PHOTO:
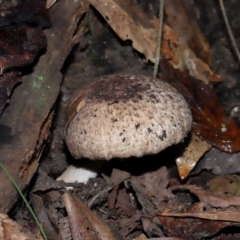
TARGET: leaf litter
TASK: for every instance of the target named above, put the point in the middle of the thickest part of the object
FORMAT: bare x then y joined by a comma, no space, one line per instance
132,198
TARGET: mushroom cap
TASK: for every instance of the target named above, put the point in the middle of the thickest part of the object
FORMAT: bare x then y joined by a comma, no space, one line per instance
119,116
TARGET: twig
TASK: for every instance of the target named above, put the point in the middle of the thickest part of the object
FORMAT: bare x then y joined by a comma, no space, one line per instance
232,39
159,38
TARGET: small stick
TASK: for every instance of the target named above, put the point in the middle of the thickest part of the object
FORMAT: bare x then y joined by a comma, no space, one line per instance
234,44
159,38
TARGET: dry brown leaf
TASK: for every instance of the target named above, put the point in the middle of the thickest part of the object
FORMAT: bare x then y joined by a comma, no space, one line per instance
224,185
209,198
49,3
231,216
24,137
131,24
181,17
117,177
192,227
84,223
199,221
10,230
151,192
191,155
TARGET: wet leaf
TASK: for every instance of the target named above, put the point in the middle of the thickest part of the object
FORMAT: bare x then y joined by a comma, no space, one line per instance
209,120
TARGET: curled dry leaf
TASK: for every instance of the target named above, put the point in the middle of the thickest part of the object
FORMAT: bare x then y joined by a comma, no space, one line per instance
84,223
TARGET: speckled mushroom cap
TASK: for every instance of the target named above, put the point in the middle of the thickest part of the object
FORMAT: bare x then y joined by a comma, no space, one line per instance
119,116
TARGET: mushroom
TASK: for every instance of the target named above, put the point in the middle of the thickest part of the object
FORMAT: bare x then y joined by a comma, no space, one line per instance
120,116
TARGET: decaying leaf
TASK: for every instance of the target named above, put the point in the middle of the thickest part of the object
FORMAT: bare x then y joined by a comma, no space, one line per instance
190,227
209,198
117,177
26,136
224,185
13,231
130,24
181,17
21,40
191,155
201,219
151,192
46,214
209,120
84,223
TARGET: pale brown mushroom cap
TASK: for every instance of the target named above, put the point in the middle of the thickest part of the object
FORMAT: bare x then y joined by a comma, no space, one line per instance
119,116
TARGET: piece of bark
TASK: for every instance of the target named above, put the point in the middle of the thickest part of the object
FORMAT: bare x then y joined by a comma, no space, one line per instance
24,126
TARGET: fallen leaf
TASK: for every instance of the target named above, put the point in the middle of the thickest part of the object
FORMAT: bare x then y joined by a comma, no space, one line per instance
117,177
191,155
197,221
21,40
209,198
151,192
209,120
10,230
130,24
230,216
84,223
191,228
46,213
33,100
224,185
181,17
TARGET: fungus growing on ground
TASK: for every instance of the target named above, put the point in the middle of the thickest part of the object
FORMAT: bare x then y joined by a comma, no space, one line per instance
120,116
